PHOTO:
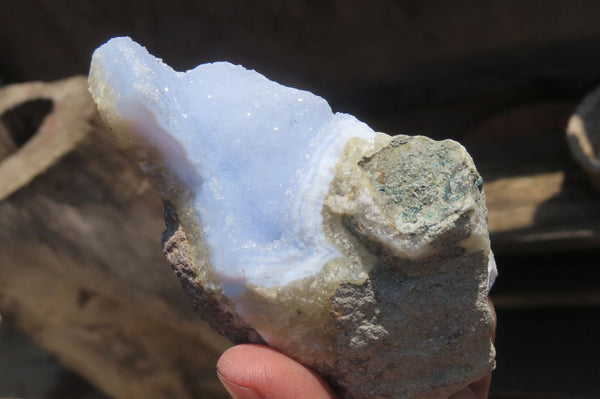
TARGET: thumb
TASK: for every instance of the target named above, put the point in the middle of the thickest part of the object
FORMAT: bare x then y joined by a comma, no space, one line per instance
254,372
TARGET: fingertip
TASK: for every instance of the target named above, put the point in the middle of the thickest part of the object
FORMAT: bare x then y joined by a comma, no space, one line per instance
249,369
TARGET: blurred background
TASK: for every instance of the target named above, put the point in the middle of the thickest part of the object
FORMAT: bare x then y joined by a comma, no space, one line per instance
500,76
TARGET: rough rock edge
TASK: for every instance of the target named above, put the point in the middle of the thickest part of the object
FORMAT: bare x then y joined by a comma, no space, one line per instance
276,313
212,307
218,311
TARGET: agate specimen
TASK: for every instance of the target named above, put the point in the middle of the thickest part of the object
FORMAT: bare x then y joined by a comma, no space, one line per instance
364,256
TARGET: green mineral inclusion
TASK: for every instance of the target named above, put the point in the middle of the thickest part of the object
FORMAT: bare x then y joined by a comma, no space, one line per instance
407,181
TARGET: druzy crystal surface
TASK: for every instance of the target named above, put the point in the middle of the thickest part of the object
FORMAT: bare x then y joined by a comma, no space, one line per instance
364,256
259,156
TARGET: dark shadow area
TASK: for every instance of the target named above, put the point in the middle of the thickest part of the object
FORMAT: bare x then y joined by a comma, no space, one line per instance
22,121
552,352
29,372
447,99
521,138
551,272
548,317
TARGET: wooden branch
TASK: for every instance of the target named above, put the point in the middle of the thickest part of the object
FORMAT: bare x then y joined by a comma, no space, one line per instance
583,135
81,267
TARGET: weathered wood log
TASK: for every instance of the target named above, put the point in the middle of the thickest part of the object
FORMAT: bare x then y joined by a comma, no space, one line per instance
81,269
583,135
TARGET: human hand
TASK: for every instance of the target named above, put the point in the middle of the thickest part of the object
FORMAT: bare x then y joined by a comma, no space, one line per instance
254,371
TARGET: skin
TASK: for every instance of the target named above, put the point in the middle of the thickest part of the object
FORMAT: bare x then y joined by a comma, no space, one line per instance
259,372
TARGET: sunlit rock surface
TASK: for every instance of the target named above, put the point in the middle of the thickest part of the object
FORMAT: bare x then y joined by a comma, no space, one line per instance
363,256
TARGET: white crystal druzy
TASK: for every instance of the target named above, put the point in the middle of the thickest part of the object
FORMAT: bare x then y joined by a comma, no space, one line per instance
259,156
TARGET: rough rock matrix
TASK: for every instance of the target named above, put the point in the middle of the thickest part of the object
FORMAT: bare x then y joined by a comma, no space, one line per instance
397,308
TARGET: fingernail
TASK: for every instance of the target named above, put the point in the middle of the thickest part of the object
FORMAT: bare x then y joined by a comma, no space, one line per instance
237,391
